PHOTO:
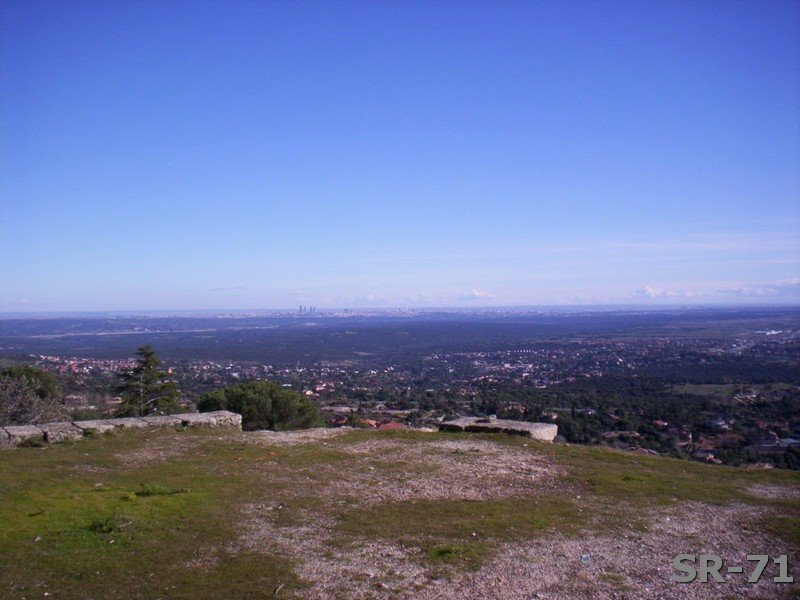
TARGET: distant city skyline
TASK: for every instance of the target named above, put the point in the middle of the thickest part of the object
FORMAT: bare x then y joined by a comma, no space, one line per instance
249,156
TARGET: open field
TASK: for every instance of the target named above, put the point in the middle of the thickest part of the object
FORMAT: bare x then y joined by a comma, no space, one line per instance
724,391
358,514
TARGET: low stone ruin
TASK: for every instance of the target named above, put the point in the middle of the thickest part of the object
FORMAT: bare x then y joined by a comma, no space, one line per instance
51,433
538,431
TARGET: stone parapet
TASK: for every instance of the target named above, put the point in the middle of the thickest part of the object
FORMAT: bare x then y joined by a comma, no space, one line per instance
163,421
16,435
226,418
61,432
198,420
95,427
19,434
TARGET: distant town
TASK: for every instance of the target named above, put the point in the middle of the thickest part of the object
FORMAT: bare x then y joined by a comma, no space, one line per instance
718,387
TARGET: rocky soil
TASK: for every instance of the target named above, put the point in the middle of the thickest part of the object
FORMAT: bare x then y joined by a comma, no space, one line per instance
629,562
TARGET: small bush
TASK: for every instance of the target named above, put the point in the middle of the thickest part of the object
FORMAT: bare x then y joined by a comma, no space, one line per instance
469,555
22,402
264,405
110,524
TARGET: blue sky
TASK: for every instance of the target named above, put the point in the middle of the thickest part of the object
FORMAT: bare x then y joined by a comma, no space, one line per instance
188,155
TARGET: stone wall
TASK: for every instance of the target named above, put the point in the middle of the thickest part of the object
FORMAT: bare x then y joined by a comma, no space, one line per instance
15,435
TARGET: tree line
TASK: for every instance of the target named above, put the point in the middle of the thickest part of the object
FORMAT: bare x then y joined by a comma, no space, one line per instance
30,395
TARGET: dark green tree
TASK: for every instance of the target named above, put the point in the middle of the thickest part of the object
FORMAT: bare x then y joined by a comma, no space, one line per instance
146,389
264,405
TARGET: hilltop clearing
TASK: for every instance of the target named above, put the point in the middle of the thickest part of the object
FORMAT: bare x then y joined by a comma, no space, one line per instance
361,514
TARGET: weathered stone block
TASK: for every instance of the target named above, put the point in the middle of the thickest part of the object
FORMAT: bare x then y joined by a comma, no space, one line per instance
19,434
61,432
95,427
225,418
14,435
198,420
128,423
162,421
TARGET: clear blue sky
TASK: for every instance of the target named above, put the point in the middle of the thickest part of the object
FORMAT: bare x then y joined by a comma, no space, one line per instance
253,154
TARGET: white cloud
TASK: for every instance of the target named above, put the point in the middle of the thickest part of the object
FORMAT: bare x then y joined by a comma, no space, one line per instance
786,288
474,295
647,292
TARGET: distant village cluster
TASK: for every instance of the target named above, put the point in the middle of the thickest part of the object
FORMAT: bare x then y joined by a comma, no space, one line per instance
663,395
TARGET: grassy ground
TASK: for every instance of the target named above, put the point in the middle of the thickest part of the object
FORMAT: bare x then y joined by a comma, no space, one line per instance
77,521
158,515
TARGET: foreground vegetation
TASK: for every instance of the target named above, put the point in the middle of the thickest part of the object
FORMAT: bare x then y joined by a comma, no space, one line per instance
160,515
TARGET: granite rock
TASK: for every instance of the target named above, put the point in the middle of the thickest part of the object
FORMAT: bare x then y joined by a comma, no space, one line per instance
128,423
61,432
162,421
198,420
19,434
95,427
226,418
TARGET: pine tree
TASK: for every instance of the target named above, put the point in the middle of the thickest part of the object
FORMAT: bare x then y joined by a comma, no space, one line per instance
146,389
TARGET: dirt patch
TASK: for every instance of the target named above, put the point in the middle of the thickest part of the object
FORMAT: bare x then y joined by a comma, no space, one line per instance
631,565
333,572
627,565
774,492
392,470
293,438
157,451
205,558
627,562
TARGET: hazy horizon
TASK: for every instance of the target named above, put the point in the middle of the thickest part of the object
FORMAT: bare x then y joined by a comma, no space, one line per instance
377,310
374,155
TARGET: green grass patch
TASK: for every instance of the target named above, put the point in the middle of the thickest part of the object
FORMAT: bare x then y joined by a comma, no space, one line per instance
112,524
462,530
157,489
468,554
502,519
646,480
786,528
67,522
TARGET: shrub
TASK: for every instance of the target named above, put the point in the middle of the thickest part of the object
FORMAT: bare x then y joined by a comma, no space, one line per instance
21,402
112,524
45,384
263,405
